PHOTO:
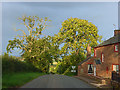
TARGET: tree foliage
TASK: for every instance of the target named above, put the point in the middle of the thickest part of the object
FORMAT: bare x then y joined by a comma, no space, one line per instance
76,34
35,26
12,64
36,50
42,54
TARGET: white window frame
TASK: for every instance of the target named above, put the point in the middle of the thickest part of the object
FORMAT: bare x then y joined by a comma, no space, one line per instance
116,47
115,68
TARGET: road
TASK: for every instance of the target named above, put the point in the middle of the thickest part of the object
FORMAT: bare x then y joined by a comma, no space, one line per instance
56,81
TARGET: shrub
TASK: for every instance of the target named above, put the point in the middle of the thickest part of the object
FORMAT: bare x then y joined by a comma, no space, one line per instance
11,64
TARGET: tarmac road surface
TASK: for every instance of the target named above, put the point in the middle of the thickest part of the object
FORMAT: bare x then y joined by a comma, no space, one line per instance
57,81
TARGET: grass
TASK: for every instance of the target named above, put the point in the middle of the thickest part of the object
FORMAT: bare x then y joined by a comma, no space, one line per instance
18,79
70,74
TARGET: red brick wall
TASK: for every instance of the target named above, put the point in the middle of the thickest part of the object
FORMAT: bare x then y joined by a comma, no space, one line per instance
83,68
110,57
104,69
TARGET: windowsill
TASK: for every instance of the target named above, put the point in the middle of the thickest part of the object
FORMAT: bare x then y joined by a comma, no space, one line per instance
90,73
115,51
116,71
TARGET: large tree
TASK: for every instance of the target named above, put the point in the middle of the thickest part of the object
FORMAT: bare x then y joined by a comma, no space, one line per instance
74,37
35,46
42,54
34,26
76,34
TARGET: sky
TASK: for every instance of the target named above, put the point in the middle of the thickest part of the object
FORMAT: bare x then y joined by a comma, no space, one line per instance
101,14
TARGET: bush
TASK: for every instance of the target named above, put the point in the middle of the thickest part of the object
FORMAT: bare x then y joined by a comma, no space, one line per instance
11,64
65,66
70,74
60,68
67,71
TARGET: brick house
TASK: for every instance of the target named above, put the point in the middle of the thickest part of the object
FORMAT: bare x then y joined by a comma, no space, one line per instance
105,60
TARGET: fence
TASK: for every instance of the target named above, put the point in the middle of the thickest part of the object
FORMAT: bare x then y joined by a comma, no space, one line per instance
116,76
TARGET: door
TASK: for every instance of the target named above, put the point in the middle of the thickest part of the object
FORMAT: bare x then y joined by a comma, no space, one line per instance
94,70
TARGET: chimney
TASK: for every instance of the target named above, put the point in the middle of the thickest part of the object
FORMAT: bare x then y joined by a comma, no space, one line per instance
88,51
116,32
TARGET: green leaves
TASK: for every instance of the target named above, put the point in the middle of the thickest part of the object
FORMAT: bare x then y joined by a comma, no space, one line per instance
35,50
77,32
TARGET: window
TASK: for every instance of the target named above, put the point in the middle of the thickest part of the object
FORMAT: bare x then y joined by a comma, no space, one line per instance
90,68
102,57
116,48
115,68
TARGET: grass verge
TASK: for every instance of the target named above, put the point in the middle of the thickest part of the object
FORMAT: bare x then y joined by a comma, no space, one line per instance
18,79
70,74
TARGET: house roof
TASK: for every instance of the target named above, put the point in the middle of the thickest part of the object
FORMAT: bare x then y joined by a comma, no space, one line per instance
97,60
112,40
84,60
